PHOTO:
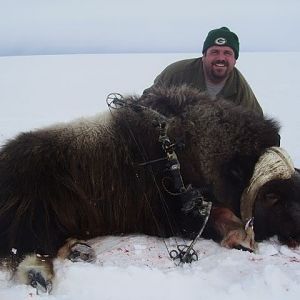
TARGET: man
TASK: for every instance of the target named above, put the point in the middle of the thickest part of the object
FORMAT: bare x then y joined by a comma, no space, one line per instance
215,72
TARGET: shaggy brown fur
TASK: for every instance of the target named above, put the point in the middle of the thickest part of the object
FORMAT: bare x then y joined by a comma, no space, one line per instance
82,179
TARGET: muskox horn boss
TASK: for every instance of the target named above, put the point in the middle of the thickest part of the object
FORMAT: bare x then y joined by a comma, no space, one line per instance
274,163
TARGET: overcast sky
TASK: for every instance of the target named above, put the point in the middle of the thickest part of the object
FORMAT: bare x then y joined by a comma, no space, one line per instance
114,26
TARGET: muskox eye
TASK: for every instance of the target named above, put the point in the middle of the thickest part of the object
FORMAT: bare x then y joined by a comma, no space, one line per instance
271,199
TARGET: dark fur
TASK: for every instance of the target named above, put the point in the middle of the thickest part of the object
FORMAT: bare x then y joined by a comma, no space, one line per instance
277,211
83,181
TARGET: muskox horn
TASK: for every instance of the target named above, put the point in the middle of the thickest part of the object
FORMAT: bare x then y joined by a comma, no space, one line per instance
274,163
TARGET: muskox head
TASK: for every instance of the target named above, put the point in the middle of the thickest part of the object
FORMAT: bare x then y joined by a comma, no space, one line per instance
273,198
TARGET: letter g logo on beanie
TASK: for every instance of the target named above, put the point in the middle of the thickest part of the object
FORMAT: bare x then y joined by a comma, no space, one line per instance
220,41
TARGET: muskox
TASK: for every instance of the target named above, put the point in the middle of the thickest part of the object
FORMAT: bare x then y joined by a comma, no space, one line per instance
62,185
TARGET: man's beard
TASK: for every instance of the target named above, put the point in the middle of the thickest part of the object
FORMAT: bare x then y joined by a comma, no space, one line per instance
219,76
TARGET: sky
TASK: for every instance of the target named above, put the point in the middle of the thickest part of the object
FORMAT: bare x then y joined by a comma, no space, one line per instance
117,26
40,90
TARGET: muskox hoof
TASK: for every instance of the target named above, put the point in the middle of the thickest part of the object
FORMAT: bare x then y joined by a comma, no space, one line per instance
81,252
239,239
76,251
36,270
36,280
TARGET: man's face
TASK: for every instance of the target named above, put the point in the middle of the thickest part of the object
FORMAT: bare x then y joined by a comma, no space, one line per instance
218,62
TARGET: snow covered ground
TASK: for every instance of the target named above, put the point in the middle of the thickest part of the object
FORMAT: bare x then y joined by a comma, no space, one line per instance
39,90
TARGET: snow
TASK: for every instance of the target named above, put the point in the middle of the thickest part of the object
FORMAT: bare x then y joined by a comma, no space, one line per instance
37,91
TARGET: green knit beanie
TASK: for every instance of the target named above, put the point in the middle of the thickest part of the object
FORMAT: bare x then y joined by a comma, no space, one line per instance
222,37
